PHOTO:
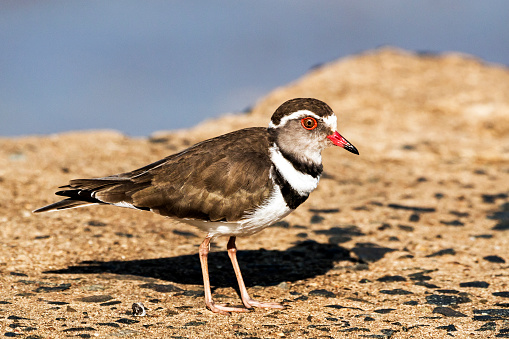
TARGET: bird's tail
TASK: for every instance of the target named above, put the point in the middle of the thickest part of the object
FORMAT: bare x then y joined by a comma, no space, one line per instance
81,192
62,205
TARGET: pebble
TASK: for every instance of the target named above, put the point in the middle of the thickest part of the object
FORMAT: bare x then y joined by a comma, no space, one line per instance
111,303
162,288
322,293
412,208
316,219
95,298
489,326
494,259
445,300
384,310
419,276
139,310
391,278
324,210
447,251
396,291
448,312
415,217
478,284
455,222
59,288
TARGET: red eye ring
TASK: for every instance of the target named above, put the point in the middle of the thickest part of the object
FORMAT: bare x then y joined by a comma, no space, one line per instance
309,123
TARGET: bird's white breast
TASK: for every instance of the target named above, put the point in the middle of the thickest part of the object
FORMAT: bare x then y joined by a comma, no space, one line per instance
303,183
270,212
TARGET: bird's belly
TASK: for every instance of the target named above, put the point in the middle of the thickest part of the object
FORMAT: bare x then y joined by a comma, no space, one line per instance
270,212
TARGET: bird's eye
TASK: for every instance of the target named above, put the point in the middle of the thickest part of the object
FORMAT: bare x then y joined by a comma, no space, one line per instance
309,123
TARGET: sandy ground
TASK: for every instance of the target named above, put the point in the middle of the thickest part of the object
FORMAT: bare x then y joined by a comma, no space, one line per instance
408,240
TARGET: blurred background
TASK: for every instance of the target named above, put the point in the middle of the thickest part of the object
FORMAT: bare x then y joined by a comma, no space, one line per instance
143,66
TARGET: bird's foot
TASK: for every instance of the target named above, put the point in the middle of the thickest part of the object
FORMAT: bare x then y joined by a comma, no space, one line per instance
249,303
223,309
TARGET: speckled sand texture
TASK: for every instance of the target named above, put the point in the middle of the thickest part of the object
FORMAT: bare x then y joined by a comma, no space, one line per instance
408,240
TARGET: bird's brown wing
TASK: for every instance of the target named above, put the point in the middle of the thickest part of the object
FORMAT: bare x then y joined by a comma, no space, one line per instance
217,179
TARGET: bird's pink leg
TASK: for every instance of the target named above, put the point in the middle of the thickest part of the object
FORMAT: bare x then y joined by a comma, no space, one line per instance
246,299
204,251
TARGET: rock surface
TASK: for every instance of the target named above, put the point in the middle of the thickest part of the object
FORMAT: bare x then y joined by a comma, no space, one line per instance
398,242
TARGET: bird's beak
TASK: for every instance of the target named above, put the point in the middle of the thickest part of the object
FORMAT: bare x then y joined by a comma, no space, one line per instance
338,140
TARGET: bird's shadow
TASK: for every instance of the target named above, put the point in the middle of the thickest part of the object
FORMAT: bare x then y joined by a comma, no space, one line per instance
306,259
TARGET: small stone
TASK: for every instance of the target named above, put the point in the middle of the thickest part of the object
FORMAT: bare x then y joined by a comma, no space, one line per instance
489,326
96,223
483,236
448,312
412,208
95,298
494,259
406,228
325,210
70,309
414,217
449,251
384,310
195,323
316,219
446,291
139,310
59,288
391,278
503,294
283,285
397,291
126,321
419,276
111,303
282,224
124,235
478,284
57,302
445,300
162,288
455,222
322,293
491,198
460,214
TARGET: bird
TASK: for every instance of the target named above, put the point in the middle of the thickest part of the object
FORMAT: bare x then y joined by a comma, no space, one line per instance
232,185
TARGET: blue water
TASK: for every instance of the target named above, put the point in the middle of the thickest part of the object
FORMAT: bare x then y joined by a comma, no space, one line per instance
143,66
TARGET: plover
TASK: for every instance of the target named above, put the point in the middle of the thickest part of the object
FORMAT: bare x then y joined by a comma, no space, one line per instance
232,185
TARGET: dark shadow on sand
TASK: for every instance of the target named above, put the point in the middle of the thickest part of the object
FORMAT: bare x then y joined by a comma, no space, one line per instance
259,267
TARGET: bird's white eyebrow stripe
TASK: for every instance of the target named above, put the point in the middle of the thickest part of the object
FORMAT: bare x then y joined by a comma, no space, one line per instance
303,112
332,121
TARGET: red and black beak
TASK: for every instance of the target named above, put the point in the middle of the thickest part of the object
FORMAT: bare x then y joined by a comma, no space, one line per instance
338,140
